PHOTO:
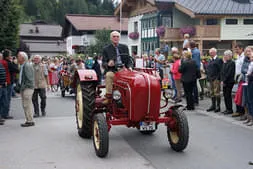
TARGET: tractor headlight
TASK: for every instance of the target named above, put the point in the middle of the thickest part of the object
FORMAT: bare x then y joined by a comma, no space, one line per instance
116,95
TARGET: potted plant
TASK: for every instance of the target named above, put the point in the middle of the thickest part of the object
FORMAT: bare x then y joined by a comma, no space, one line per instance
188,30
133,35
160,31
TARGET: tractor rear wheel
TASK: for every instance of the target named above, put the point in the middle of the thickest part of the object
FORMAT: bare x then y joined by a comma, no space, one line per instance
85,104
100,135
178,135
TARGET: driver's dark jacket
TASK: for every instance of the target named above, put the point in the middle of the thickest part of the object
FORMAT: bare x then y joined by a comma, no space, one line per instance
109,53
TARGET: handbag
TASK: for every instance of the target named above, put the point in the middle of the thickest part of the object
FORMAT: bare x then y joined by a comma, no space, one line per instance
17,88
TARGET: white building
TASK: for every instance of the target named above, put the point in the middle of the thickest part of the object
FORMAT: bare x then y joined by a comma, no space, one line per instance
211,23
79,30
41,38
134,25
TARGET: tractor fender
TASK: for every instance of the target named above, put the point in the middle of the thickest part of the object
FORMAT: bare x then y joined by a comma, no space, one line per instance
87,75
84,75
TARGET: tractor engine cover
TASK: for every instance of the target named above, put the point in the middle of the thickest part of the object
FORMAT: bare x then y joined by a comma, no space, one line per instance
142,94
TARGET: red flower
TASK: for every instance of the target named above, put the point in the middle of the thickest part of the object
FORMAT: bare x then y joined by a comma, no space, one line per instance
188,30
75,46
160,30
133,35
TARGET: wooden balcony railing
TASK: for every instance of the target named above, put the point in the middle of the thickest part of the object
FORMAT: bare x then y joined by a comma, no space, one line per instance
205,32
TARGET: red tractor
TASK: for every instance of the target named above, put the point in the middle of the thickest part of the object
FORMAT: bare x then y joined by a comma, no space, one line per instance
136,103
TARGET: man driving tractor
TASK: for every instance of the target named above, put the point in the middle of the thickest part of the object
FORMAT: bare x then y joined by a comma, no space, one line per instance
115,57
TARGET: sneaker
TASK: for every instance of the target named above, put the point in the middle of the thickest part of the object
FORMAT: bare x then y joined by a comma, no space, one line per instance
243,117
43,112
227,112
27,124
236,114
247,121
250,124
36,115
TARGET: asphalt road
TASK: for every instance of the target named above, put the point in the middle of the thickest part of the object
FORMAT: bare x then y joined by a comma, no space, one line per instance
216,141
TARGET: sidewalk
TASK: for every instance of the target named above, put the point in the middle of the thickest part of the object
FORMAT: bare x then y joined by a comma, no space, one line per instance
205,104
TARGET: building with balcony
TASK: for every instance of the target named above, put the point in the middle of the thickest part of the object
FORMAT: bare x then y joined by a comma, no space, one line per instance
213,23
144,18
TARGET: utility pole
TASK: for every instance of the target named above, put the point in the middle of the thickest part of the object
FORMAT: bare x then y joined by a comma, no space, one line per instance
120,17
56,6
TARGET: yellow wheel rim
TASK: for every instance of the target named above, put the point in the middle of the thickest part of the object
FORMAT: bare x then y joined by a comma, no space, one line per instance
79,106
174,137
174,133
96,135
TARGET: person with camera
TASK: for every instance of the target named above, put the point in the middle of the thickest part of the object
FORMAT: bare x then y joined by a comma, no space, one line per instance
40,86
115,57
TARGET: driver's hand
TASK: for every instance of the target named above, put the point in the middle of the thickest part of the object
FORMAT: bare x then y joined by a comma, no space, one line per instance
130,69
111,63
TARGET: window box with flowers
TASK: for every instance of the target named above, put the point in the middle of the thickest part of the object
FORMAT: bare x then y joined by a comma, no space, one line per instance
188,30
160,31
133,35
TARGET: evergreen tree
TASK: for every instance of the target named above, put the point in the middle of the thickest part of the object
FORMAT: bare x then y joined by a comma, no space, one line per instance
54,11
9,19
108,7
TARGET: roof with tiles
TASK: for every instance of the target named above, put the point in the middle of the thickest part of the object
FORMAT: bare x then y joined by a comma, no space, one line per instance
47,47
40,30
91,22
216,7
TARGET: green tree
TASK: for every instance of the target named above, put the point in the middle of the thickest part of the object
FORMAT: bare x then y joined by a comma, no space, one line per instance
108,7
102,38
9,19
54,11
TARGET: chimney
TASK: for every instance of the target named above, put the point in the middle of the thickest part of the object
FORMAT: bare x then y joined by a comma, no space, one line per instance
37,29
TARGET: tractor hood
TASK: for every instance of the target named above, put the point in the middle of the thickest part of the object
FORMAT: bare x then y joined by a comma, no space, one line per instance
143,93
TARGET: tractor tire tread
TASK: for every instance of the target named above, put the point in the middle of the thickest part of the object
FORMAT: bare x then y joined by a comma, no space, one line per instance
88,95
104,135
184,131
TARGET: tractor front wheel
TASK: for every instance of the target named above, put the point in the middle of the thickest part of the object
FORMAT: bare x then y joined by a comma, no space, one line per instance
178,134
85,104
100,135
